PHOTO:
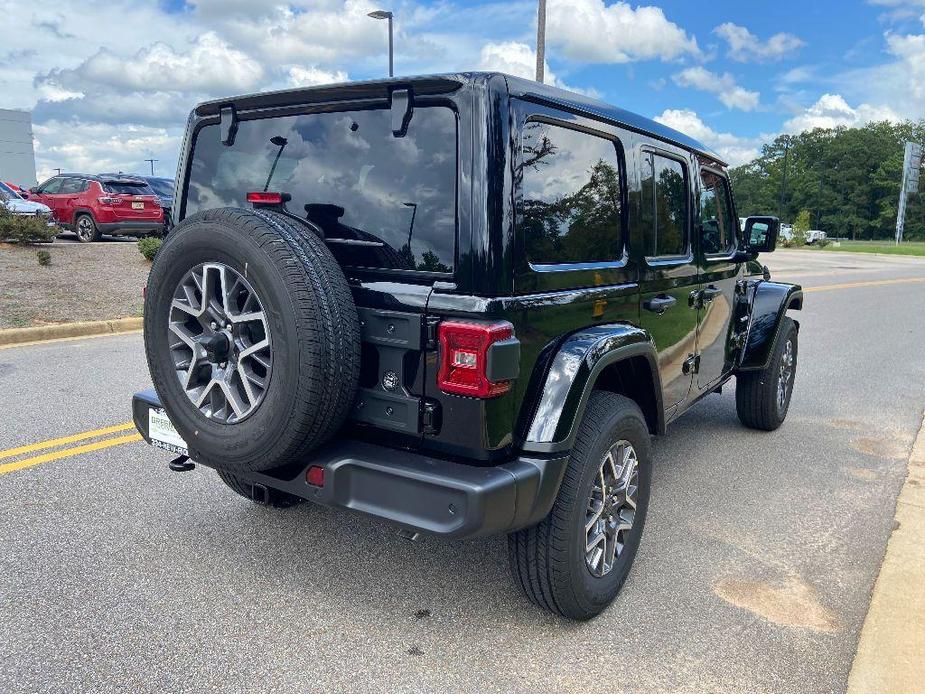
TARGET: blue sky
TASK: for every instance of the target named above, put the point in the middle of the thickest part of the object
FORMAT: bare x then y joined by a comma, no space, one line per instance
110,82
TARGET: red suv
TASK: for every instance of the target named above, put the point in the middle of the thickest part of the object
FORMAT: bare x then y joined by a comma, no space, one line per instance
92,205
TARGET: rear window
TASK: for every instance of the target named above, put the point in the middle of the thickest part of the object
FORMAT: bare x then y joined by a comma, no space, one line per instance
127,188
381,201
162,187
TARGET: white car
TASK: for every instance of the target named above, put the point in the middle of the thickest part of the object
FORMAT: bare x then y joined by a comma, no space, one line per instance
15,204
814,235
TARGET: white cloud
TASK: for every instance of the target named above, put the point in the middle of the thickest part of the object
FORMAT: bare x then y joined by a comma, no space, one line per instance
733,149
310,76
745,46
832,111
519,59
591,31
723,86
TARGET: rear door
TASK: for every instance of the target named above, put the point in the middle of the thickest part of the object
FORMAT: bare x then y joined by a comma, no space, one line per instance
718,274
67,198
670,272
386,208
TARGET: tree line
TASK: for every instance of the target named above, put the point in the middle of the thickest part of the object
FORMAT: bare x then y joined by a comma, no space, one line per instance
846,179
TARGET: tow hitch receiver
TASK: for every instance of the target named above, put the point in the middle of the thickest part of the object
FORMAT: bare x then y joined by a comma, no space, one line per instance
182,464
260,494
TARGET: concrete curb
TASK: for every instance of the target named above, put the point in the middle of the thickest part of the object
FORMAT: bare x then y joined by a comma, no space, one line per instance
15,336
891,651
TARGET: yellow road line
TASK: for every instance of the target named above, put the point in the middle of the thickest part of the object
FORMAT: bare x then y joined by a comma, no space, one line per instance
52,443
67,453
869,283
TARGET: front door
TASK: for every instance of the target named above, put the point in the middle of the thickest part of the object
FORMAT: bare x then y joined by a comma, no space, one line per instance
715,300
669,271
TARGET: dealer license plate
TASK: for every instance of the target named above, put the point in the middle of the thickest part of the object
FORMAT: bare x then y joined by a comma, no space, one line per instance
162,433
138,205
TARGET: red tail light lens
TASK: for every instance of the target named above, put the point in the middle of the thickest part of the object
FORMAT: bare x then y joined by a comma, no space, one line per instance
109,200
265,198
464,358
315,476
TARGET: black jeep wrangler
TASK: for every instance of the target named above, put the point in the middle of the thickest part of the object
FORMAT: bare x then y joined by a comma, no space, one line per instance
459,303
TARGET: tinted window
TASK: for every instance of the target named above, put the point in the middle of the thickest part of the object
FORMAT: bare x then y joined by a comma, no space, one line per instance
52,186
717,223
349,175
571,196
127,188
162,186
664,205
72,186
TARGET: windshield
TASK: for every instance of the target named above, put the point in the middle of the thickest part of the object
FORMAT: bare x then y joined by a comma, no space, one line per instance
127,188
381,201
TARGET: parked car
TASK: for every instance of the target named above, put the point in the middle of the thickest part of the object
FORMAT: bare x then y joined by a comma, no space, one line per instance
16,189
10,199
92,205
814,235
475,334
163,188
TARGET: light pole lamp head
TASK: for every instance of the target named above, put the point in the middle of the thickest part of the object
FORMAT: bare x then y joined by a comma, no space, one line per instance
380,14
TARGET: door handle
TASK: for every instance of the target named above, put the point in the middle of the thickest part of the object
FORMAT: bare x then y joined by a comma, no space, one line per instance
659,304
710,293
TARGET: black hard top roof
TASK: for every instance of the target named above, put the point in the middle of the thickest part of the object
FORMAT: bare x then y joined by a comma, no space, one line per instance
442,84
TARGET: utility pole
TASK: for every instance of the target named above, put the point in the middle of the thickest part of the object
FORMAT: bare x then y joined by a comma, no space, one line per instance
59,171
540,40
151,161
912,160
783,182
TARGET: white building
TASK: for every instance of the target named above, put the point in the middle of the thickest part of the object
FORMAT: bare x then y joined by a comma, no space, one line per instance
17,156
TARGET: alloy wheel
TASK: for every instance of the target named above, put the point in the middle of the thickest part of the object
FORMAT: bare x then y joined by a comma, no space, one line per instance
785,375
220,342
611,508
85,228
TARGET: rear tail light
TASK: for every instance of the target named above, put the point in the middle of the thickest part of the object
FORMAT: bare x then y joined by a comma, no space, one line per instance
109,200
464,358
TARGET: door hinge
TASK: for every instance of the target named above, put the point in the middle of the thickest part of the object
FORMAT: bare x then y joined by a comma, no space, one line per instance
691,364
430,333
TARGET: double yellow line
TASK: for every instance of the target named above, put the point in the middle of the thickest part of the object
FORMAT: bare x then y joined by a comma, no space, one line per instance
68,450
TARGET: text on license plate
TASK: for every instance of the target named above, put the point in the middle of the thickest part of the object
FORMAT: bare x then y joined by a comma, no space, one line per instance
138,205
162,433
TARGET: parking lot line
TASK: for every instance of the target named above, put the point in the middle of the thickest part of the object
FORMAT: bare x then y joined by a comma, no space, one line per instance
67,453
869,283
53,443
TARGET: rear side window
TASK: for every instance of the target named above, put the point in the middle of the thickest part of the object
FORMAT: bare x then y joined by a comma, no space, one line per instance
381,201
716,221
127,188
53,186
571,196
72,186
664,206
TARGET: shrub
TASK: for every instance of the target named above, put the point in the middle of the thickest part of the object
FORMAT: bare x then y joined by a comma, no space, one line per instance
44,257
149,246
20,228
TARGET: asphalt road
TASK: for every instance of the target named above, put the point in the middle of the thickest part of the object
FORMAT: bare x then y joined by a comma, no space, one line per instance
755,571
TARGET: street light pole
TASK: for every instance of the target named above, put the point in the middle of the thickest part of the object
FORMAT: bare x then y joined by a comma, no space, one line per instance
540,41
384,14
151,161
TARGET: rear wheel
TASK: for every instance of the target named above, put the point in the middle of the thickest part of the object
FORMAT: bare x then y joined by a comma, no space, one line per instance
85,228
763,397
575,561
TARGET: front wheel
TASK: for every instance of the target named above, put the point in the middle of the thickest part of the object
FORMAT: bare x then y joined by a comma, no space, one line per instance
575,561
763,397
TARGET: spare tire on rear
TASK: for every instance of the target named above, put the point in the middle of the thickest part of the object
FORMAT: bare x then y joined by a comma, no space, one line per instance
252,338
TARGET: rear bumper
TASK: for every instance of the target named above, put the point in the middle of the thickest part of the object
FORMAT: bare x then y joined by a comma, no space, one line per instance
413,490
131,227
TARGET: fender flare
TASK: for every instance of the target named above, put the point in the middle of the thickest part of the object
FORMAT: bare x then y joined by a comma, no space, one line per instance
769,304
572,375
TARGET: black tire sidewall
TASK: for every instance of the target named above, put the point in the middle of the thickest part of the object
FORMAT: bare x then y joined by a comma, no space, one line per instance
788,332
265,429
595,593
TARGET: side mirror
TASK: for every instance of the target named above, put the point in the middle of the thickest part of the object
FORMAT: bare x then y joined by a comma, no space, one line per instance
761,234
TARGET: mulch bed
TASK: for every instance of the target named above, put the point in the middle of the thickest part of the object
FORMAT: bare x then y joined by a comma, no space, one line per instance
97,281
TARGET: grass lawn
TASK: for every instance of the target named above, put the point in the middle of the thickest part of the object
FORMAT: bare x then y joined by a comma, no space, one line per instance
889,247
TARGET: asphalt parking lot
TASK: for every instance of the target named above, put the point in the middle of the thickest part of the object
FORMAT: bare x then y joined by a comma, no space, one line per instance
755,571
